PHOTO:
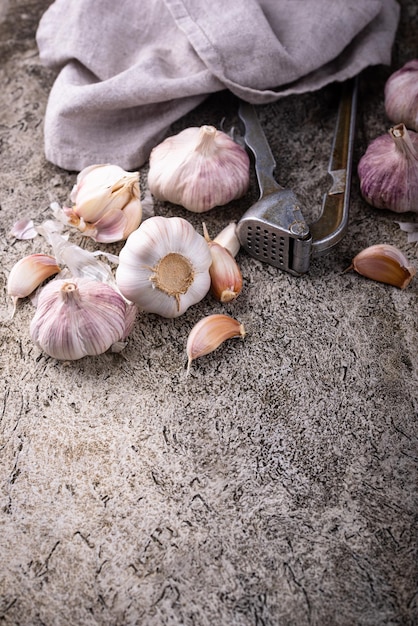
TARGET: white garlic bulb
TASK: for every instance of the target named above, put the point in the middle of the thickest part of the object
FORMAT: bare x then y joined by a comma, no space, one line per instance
199,169
388,171
76,317
107,205
401,95
164,266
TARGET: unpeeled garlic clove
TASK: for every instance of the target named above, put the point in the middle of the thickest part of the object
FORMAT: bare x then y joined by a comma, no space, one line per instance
228,239
107,205
225,274
199,168
76,317
401,95
384,263
209,333
28,273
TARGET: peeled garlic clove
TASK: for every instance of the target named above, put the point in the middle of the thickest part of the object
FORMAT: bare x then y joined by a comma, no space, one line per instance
225,274
401,95
384,263
76,317
107,205
28,273
388,171
209,333
199,168
164,266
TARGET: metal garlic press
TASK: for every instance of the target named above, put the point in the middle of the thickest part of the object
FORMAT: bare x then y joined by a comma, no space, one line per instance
273,229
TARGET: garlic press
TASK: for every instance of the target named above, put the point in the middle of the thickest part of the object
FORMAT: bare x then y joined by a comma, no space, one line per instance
273,229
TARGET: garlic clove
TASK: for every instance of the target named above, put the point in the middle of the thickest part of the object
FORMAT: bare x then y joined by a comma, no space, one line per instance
76,317
384,263
209,333
164,266
401,95
199,168
107,205
388,171
28,273
228,239
225,274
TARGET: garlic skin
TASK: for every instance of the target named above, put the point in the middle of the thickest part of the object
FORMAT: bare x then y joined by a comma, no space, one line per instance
384,263
209,333
77,317
199,168
164,266
401,95
388,171
225,274
107,205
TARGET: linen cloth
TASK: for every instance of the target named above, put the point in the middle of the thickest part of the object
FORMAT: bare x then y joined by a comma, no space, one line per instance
128,70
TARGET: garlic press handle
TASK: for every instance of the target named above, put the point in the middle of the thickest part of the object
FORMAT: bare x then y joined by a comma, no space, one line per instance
332,223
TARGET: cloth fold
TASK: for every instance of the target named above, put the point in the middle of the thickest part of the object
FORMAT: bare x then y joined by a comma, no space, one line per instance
126,74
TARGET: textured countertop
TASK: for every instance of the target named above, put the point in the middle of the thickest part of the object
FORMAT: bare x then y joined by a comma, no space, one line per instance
276,484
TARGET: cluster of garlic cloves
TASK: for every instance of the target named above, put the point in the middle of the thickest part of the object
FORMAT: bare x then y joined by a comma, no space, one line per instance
401,95
164,266
106,203
388,171
209,333
199,168
78,317
225,274
384,263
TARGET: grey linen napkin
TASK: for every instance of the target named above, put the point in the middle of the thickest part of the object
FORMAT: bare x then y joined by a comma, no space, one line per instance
128,70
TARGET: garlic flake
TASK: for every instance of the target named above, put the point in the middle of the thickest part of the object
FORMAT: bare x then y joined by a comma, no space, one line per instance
164,266
107,205
199,168
401,95
209,333
388,171
76,317
384,263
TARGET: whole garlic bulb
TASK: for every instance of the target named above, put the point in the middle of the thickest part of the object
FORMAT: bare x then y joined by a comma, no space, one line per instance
107,205
401,95
199,168
164,266
388,171
76,317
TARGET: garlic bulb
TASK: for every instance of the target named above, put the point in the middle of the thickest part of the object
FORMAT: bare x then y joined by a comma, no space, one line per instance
76,317
107,205
164,266
384,263
388,171
209,333
199,168
401,95
225,274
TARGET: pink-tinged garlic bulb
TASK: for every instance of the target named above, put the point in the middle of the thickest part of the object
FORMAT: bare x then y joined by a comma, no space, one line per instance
76,317
199,169
401,95
107,205
388,171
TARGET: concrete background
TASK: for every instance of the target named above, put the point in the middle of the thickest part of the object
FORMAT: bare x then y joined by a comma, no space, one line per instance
274,486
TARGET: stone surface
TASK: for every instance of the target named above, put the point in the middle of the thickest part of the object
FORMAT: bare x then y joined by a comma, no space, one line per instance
276,484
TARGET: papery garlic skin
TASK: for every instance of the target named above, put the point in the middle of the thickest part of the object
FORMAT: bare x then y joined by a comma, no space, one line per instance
401,95
384,263
164,266
77,317
209,333
199,168
388,171
107,205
